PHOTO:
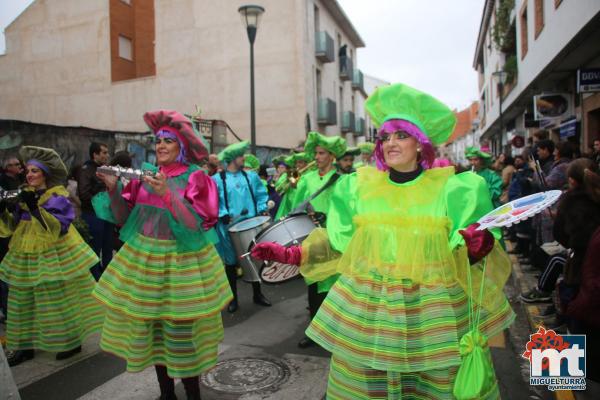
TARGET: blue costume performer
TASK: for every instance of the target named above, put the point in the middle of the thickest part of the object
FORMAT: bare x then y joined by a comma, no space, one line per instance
241,196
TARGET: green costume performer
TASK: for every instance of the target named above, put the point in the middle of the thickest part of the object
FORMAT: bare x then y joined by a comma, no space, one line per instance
309,184
345,164
406,313
492,179
366,151
290,193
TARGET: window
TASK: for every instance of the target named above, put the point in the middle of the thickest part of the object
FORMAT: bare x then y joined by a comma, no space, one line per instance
523,20
539,17
125,48
317,19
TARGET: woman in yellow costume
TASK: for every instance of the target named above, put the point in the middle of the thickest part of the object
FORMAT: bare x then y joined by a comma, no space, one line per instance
407,310
50,304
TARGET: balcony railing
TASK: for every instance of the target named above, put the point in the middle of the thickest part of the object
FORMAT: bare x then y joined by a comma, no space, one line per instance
358,81
346,68
326,112
359,127
348,124
324,47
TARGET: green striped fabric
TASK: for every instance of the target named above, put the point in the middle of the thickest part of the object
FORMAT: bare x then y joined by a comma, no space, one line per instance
348,380
149,279
65,259
52,316
395,325
186,348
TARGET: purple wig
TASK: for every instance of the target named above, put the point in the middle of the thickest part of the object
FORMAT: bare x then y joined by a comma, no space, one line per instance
166,133
395,125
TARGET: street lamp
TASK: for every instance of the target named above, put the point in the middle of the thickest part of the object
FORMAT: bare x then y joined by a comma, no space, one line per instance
250,18
501,79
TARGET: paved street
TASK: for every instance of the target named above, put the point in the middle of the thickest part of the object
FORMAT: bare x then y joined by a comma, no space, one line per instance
268,335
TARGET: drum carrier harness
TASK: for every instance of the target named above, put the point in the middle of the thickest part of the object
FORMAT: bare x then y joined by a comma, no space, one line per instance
223,176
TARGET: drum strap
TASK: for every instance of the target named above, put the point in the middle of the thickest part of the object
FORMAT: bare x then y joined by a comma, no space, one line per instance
224,179
304,204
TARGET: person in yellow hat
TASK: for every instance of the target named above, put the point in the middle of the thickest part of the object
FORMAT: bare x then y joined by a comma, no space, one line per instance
406,314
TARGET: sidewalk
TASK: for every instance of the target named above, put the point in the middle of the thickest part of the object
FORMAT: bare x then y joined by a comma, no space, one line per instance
524,282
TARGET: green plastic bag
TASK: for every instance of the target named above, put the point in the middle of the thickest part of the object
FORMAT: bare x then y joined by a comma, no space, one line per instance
475,378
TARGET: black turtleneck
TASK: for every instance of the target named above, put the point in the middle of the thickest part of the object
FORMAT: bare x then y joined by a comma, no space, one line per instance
403,177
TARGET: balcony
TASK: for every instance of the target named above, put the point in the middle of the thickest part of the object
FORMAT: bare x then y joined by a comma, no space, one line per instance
358,81
326,112
348,124
359,127
324,47
346,69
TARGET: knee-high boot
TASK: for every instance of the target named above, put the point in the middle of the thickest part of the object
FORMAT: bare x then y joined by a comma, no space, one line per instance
258,297
192,388
167,384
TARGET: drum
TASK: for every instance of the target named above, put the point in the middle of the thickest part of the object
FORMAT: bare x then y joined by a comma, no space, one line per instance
242,235
287,232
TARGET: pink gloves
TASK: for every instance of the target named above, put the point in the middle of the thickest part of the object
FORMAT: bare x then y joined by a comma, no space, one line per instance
276,252
479,243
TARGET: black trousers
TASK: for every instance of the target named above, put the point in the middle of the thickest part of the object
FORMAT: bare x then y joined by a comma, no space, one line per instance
315,299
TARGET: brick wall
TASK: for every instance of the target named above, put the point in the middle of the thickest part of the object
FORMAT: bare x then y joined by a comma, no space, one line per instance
135,22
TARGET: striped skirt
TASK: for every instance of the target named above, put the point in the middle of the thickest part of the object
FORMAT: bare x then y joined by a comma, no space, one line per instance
151,279
348,380
395,325
52,316
186,348
163,306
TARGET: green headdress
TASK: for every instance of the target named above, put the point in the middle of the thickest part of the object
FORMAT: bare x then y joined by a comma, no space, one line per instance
302,157
366,148
471,152
399,101
333,144
233,151
280,159
293,158
48,161
351,151
252,162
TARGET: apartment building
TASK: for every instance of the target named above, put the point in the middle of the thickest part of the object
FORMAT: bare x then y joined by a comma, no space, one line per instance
528,56
102,64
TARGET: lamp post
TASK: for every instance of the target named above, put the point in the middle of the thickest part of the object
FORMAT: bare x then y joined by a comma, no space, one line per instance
501,79
250,18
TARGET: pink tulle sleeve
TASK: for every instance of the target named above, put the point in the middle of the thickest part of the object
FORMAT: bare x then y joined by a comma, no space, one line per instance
122,201
203,195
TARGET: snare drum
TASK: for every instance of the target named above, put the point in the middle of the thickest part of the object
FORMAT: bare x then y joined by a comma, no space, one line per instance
242,235
287,232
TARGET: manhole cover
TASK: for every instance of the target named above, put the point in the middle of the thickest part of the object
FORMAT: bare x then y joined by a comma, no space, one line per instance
242,375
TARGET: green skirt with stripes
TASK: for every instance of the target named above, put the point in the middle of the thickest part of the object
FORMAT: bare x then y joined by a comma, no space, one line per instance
50,303
394,325
163,306
348,380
